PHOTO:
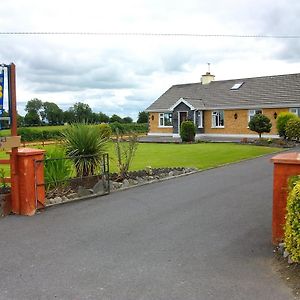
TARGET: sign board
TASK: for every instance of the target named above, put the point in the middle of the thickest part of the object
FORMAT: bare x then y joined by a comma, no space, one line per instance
8,142
1,91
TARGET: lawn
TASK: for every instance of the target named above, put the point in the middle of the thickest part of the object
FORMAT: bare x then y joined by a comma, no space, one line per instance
201,155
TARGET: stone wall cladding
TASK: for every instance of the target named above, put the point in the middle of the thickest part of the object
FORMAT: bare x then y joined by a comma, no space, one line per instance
181,107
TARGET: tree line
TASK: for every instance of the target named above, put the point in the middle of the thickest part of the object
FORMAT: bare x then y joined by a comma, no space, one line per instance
42,113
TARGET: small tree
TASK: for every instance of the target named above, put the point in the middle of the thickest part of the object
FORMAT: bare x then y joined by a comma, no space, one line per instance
125,152
187,131
282,121
260,124
127,120
115,118
143,117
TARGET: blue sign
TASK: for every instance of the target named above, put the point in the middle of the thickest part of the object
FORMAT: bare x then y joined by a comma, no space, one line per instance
1,91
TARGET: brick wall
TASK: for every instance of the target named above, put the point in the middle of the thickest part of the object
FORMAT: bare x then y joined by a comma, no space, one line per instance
232,125
239,125
153,124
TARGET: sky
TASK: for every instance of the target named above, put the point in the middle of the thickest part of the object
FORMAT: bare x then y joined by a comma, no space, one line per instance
125,74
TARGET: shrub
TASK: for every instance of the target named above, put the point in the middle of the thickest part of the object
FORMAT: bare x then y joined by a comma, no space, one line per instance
117,128
187,131
85,145
260,124
292,225
125,152
281,122
292,129
105,130
57,168
32,134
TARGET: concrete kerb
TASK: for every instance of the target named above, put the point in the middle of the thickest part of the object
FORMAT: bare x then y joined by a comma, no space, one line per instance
159,180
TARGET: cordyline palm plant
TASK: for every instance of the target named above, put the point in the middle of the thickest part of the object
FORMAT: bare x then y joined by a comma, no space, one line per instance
85,145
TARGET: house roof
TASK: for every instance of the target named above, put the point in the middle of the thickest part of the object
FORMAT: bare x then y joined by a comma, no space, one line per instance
256,92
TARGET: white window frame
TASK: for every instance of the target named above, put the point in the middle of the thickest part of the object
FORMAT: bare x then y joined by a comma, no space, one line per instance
200,118
215,116
162,118
253,112
295,110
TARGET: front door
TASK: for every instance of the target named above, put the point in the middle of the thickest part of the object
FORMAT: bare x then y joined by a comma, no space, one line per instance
183,116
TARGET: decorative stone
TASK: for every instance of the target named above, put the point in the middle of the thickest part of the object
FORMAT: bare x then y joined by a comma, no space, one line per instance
51,201
285,254
82,192
98,187
290,260
64,198
281,248
57,200
140,180
171,173
72,196
125,183
116,185
132,181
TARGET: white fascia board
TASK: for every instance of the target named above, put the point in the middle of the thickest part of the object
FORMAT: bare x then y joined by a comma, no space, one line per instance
157,110
262,106
181,100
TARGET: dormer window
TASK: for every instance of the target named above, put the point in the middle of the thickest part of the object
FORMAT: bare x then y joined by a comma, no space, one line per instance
236,86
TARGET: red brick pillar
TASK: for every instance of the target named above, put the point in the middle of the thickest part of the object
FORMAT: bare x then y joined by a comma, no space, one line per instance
285,165
31,196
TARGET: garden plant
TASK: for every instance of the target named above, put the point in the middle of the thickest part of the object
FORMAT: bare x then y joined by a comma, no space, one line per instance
85,145
260,124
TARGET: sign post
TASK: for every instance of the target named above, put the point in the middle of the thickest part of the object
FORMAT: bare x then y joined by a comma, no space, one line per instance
14,150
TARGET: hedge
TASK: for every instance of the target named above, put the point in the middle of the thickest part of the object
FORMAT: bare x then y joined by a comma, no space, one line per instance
31,134
282,121
292,129
292,225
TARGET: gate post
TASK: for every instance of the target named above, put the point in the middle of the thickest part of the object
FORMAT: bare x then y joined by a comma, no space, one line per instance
31,195
285,165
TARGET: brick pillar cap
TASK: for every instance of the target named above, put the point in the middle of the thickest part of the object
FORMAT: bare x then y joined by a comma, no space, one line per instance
28,151
286,158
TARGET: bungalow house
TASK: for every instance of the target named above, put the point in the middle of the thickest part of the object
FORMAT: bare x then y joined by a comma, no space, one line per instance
224,108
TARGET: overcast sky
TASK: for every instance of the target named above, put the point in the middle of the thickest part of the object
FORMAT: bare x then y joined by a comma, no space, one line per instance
125,74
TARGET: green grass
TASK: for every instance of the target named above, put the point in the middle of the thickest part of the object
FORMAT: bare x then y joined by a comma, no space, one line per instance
201,156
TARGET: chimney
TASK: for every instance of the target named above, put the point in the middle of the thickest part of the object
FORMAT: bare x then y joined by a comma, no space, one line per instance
207,78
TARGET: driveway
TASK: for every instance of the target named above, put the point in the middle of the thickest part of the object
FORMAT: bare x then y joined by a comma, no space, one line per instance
203,236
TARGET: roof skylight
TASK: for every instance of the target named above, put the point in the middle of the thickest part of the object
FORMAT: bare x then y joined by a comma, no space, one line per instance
236,86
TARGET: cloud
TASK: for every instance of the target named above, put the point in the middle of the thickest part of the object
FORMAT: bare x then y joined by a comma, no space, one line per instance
125,74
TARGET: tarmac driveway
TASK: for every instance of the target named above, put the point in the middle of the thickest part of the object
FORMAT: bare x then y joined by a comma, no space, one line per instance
203,236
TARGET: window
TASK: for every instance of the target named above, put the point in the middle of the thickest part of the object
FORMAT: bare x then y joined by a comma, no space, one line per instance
217,118
165,120
236,86
200,119
295,111
253,112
